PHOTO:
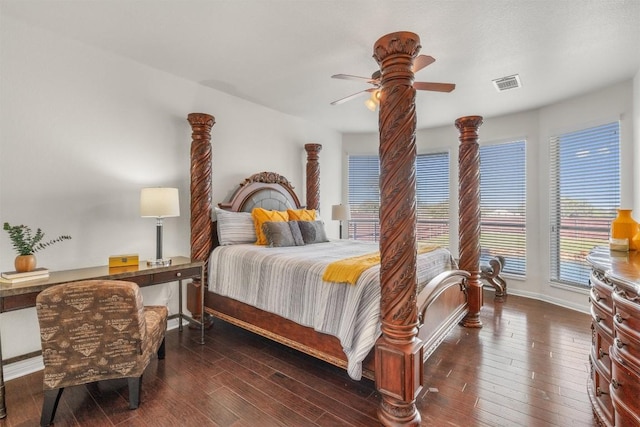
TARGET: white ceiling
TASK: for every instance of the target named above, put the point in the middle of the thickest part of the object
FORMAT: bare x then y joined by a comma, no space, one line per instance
281,53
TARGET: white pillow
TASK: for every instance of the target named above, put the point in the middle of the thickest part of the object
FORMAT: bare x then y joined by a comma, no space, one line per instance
234,227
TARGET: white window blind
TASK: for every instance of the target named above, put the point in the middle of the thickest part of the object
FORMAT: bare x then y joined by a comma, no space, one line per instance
503,204
432,198
364,198
585,193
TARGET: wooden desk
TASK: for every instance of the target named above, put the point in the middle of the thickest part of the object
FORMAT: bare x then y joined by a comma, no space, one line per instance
23,294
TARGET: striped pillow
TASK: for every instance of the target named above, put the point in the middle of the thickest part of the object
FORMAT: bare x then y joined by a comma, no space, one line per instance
234,227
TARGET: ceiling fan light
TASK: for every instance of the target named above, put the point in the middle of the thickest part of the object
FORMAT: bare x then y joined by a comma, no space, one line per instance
370,104
376,95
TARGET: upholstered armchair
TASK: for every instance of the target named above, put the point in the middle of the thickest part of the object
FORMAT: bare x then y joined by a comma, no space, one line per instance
96,330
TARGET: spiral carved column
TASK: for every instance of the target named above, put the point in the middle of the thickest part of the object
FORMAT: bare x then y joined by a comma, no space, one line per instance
313,176
398,351
469,215
201,225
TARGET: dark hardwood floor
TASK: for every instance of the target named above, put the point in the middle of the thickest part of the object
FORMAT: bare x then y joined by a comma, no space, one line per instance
527,366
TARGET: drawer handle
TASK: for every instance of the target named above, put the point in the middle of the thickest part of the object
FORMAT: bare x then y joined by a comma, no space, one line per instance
178,274
601,353
615,384
597,296
598,318
619,318
599,392
619,343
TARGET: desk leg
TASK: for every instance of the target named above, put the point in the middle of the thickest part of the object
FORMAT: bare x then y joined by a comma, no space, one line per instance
3,406
202,313
180,305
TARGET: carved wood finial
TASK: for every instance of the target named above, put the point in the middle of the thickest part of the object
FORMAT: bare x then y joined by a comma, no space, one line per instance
313,175
469,214
398,351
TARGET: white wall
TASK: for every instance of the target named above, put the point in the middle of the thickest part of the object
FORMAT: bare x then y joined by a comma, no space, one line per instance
82,131
636,139
536,126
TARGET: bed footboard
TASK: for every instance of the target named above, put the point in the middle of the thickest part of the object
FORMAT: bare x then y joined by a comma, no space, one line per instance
442,304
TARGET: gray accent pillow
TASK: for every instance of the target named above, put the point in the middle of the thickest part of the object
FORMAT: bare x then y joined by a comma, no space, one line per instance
312,232
296,233
279,234
234,227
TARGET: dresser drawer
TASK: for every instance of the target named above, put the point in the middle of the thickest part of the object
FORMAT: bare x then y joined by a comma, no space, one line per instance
601,292
172,276
628,347
625,389
602,319
627,313
600,350
599,395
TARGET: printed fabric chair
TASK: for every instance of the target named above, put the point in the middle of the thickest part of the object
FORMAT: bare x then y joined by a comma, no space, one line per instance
96,330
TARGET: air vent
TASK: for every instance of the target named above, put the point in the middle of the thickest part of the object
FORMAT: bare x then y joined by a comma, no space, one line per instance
506,83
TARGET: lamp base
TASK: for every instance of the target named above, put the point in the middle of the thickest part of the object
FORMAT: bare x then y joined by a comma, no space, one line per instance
164,262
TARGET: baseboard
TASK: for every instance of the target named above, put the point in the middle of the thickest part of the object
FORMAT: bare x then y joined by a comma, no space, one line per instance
35,364
550,300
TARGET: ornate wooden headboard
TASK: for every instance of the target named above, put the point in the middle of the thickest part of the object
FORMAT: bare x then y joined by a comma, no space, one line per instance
267,190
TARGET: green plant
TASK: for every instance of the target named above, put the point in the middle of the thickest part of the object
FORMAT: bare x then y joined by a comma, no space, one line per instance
25,242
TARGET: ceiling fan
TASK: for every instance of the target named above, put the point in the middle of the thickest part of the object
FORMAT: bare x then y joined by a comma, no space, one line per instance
419,63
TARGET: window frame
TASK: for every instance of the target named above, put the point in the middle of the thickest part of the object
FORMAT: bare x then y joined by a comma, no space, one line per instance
555,211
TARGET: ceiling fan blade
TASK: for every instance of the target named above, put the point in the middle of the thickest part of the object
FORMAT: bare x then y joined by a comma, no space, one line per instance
436,87
350,97
422,61
350,77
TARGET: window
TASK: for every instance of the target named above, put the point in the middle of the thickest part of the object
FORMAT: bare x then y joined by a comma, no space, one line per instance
502,204
364,198
585,193
432,198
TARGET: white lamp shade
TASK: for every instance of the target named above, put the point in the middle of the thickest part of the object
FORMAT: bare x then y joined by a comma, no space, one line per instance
340,213
159,202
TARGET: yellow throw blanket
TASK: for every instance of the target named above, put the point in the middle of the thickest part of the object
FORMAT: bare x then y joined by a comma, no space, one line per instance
348,270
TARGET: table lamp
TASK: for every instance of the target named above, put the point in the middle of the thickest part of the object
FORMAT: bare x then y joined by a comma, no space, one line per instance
159,203
340,213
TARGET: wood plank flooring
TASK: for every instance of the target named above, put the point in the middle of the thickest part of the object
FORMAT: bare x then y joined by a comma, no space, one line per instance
527,366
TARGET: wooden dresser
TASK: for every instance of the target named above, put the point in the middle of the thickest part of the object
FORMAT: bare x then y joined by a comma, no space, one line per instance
614,384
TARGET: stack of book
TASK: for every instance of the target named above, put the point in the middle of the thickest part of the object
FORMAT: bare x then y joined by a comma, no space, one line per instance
16,277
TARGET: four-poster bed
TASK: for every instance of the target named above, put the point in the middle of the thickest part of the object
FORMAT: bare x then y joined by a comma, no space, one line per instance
412,323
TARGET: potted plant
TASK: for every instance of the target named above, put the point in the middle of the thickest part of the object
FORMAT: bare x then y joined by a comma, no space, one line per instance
26,243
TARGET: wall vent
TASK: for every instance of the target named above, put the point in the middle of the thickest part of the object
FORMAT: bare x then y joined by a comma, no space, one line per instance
506,83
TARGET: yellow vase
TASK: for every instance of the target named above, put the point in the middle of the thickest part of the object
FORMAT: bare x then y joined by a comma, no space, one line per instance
625,227
634,243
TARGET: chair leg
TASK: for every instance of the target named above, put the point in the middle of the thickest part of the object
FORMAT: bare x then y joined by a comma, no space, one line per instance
134,391
49,405
161,350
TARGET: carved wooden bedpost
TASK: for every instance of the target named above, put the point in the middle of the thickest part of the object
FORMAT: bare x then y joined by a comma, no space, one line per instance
398,367
469,215
313,176
201,225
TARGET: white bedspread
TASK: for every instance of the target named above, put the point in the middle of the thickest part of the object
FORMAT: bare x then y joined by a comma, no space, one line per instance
288,282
